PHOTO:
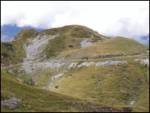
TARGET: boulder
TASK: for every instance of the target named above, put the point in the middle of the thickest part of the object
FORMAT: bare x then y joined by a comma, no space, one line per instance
11,103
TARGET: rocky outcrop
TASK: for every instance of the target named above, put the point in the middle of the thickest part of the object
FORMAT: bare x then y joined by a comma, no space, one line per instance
11,103
143,61
85,43
33,51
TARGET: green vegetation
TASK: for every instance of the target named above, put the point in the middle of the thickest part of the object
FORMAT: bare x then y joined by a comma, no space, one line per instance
81,32
128,46
7,51
115,86
69,38
13,52
38,100
56,45
34,99
26,34
114,46
76,31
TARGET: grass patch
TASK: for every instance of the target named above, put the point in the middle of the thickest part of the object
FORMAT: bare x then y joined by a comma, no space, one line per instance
35,100
114,86
111,46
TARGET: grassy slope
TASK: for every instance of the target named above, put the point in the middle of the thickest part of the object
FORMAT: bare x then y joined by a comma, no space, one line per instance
113,86
68,36
36,99
111,46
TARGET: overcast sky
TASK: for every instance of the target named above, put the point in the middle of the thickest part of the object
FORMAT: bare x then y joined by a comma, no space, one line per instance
126,18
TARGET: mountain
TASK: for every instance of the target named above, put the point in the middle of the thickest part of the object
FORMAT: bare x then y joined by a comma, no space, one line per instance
7,36
78,64
144,39
71,39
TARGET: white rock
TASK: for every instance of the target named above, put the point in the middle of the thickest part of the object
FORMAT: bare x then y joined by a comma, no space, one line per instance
86,64
33,50
106,63
57,76
85,43
72,65
132,102
143,61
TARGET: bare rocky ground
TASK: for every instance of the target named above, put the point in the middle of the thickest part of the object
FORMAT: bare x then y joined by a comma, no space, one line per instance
33,51
11,103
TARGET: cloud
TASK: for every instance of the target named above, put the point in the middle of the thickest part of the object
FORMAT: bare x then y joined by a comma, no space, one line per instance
125,18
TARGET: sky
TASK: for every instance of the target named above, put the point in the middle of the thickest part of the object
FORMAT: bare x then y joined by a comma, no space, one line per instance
112,18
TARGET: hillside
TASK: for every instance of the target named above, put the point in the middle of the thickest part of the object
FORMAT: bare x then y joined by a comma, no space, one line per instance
118,46
37,100
76,64
69,40
117,85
